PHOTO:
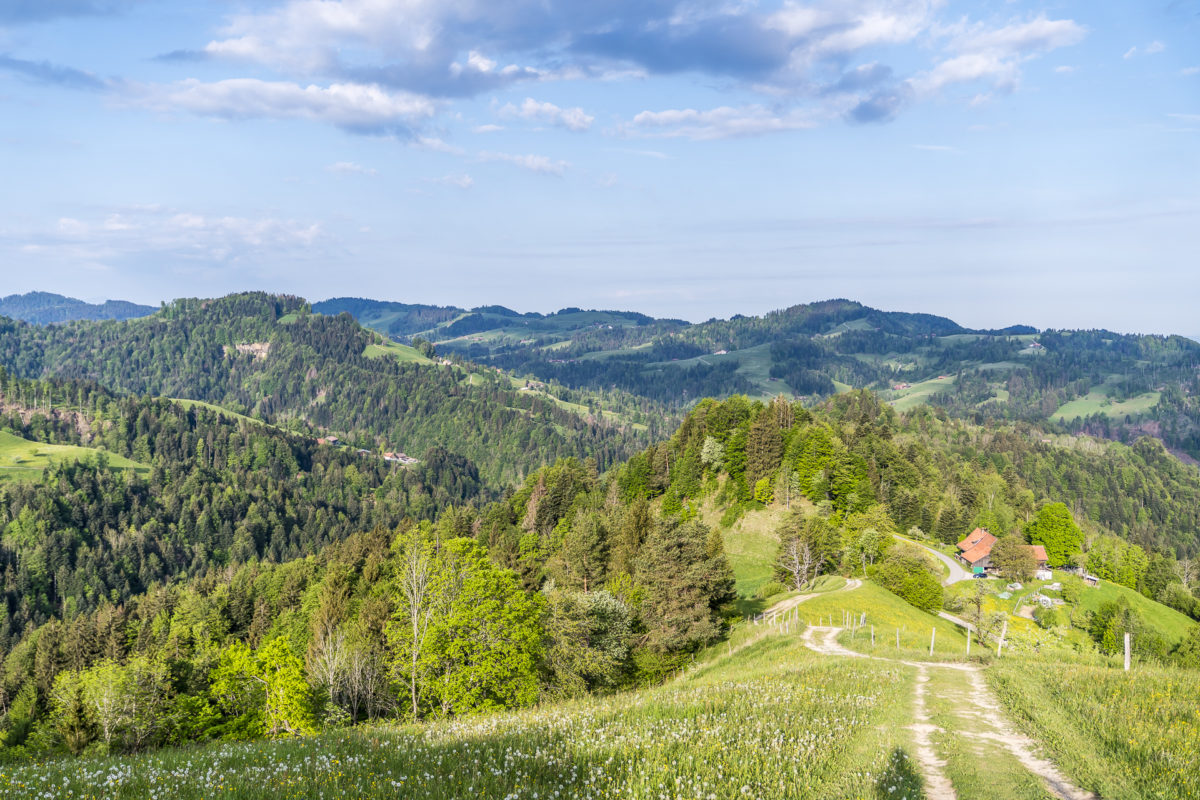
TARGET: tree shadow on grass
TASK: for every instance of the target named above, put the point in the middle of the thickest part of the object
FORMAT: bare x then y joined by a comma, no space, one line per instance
900,779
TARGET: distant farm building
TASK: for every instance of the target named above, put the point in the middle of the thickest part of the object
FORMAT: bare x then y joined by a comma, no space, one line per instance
976,550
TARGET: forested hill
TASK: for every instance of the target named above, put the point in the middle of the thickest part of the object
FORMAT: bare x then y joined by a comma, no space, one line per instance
140,492
271,358
152,604
1120,386
45,308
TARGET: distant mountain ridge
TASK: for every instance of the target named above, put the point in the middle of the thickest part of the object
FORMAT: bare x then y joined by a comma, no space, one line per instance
47,308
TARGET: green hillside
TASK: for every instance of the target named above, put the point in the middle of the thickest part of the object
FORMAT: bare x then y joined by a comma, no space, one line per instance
23,460
1103,383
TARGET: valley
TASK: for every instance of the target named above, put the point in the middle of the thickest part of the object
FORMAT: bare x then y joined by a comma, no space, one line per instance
567,589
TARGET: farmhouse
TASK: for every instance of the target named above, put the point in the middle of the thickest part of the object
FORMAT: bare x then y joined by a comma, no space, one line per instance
976,550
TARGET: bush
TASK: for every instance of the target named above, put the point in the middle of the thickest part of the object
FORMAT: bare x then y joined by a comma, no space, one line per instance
1045,617
909,578
770,589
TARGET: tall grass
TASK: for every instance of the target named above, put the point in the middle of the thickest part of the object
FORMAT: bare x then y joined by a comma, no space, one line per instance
772,721
1122,735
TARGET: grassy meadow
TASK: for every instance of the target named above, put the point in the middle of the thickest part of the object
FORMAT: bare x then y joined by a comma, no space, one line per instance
400,352
1098,402
21,459
1122,735
774,720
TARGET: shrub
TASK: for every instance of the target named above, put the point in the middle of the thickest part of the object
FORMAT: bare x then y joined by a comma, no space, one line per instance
770,589
909,578
1045,617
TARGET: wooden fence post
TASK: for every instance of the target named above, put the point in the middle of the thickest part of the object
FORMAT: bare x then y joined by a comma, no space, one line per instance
1127,637
968,642
932,636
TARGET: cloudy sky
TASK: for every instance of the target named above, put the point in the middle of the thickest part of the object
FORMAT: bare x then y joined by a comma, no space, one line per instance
996,162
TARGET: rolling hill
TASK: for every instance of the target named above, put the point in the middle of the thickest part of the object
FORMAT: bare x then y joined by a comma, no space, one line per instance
44,308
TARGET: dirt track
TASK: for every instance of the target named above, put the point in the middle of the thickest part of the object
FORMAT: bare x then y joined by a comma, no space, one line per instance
981,714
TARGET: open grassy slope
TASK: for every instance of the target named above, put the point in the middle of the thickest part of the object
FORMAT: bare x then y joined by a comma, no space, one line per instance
400,352
1126,736
21,459
771,720
1097,402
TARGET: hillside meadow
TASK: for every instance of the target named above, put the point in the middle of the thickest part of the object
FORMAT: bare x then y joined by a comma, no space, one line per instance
772,720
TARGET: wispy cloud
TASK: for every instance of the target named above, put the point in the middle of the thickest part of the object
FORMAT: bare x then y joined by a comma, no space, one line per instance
573,119
716,123
352,107
461,180
351,168
534,163
181,234
55,74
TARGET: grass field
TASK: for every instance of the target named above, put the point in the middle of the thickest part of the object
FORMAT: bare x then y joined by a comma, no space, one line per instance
224,412
1097,402
889,614
920,393
754,364
1122,735
772,720
1171,624
21,459
400,352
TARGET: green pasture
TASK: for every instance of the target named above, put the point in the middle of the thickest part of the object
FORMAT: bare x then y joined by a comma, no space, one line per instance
1098,402
21,459
400,352
919,393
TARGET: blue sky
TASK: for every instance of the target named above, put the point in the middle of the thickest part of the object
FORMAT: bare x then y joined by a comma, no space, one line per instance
995,162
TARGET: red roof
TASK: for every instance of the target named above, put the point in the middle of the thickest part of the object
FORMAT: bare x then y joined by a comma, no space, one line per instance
977,536
979,551
1039,553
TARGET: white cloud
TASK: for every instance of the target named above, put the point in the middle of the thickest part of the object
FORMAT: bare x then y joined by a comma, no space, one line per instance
350,168
533,163
461,180
573,119
994,55
438,146
717,123
1020,38
1130,53
1064,69
1155,47
936,148
969,67
487,128
1188,71
355,107
182,234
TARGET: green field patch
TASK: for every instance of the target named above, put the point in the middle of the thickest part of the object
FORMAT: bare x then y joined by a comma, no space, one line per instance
1098,402
21,459
890,616
1168,622
400,352
919,393
1122,735
754,364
